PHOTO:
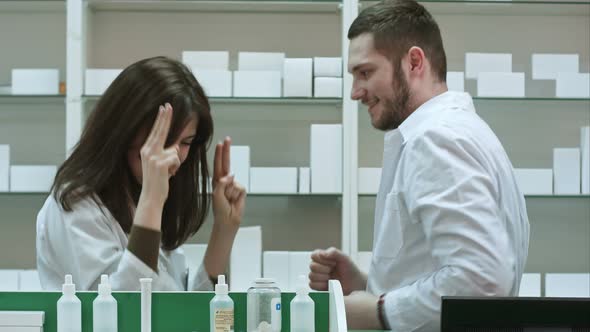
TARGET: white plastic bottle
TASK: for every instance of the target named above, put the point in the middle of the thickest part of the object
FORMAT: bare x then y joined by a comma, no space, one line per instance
104,308
69,308
302,308
221,308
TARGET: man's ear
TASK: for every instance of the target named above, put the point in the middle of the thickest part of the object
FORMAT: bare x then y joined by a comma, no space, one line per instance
416,60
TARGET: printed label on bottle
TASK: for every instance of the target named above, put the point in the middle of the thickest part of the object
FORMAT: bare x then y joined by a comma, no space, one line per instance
276,314
224,320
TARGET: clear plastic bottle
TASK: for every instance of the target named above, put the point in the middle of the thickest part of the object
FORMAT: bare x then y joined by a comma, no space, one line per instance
302,308
221,308
264,306
69,308
104,308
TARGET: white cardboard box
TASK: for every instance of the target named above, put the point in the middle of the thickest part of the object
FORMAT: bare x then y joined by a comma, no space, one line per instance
261,61
8,280
240,164
476,63
566,171
298,265
534,181
276,265
369,179
572,85
4,167
215,82
567,285
22,319
246,258
98,80
35,81
263,84
194,254
297,77
456,81
326,158
585,154
546,66
530,285
327,87
206,59
27,178
304,180
29,281
327,67
500,85
273,180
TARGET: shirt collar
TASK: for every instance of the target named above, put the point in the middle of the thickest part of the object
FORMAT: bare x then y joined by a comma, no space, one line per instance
448,99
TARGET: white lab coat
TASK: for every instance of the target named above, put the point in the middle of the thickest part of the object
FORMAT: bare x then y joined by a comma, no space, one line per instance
449,217
88,242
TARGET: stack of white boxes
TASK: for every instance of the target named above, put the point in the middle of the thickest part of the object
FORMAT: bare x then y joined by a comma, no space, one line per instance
297,77
570,174
530,285
240,165
35,81
246,258
285,267
259,74
32,178
494,75
96,81
564,69
327,74
19,280
368,180
4,167
567,285
326,158
456,81
211,68
24,178
273,180
324,176
22,321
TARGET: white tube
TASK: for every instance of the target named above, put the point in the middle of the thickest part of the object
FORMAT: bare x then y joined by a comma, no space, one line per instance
146,304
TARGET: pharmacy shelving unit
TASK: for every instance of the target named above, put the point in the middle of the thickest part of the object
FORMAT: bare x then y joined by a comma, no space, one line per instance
32,35
74,35
529,128
113,34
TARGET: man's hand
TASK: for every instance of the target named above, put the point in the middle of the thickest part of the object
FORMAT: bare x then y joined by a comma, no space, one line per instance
333,264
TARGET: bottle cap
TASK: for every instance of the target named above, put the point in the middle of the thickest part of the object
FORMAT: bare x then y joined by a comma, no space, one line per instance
104,288
221,287
68,287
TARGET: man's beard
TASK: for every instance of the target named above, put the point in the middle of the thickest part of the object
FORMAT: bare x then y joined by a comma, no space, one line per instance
396,108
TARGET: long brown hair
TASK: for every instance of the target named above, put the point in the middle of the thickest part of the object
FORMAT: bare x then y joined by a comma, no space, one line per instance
98,165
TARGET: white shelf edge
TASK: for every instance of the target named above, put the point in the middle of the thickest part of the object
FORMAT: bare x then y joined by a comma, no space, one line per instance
504,8
48,6
214,6
526,195
239,100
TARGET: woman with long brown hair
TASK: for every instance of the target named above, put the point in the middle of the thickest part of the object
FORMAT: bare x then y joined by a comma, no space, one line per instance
134,188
